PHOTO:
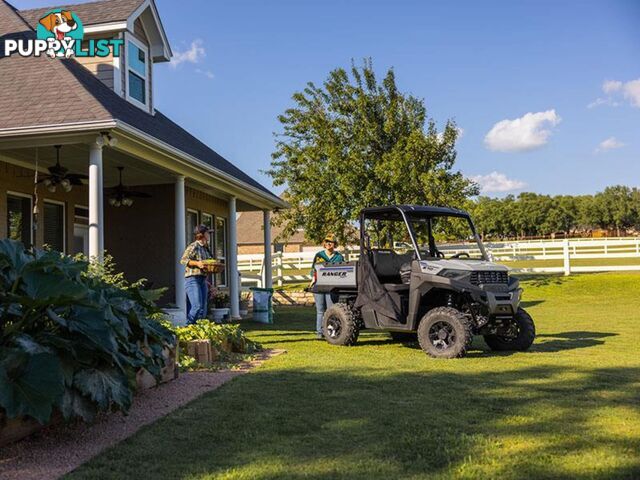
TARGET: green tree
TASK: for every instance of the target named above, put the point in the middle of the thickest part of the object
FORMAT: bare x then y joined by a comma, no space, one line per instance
355,142
616,203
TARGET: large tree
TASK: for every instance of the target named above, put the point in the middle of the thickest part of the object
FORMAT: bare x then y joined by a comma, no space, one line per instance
355,142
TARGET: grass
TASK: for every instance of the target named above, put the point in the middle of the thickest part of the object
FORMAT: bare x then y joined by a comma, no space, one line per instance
580,262
568,408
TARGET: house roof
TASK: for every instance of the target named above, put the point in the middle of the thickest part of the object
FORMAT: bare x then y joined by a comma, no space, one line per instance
104,11
38,91
251,231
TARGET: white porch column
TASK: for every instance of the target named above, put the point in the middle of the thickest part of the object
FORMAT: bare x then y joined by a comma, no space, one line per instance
180,241
232,259
96,212
267,280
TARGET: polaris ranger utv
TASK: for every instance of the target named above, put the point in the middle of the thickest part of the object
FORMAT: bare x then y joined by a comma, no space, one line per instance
424,271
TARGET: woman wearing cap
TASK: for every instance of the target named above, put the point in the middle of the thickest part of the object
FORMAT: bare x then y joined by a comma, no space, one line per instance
324,300
195,274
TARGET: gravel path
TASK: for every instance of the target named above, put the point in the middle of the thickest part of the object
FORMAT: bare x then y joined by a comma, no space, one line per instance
58,450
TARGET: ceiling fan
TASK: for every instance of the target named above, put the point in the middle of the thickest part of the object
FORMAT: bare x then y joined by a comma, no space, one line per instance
122,196
59,175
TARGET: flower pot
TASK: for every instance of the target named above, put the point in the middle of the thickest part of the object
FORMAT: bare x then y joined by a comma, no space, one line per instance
218,314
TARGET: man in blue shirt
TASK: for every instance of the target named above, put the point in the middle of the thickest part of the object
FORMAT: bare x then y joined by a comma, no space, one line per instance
324,300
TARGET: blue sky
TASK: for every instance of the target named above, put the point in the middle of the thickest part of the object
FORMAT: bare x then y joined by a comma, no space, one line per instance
570,65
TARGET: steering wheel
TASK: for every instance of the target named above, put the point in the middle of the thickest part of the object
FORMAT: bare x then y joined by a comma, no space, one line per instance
460,254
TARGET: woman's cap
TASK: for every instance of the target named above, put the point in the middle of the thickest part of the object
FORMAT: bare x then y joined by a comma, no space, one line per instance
331,238
201,229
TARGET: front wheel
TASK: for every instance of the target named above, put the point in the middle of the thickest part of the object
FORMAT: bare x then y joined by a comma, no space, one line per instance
340,325
520,337
445,333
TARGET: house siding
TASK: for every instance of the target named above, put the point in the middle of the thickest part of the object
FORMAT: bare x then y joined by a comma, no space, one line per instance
140,238
101,67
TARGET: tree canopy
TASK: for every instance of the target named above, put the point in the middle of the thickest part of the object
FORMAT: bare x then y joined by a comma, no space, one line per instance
355,142
529,214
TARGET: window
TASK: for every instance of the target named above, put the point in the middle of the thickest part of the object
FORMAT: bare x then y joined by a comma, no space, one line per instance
80,242
54,225
137,72
221,249
192,223
19,226
207,221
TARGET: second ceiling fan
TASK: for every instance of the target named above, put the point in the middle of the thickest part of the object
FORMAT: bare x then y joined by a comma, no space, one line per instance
122,196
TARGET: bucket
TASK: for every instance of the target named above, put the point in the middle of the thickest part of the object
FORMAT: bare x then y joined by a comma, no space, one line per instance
262,309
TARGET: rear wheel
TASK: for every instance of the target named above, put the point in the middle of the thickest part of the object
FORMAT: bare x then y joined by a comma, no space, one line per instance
445,333
520,337
340,325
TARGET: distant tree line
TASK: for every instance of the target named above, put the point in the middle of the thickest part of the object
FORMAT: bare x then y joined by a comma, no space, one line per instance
616,209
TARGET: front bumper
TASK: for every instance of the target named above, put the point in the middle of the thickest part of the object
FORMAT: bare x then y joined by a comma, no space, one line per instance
500,304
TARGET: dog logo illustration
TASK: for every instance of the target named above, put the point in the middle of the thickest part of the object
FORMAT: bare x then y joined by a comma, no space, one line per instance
60,34
63,26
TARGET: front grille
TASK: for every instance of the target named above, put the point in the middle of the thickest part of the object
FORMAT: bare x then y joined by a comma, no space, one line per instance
489,277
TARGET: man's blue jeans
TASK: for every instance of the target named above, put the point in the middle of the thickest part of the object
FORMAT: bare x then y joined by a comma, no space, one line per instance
197,293
323,301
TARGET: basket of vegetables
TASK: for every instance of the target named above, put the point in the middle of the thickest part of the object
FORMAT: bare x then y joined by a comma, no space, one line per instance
213,265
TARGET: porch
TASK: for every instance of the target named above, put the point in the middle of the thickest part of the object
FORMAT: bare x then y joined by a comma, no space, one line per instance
145,226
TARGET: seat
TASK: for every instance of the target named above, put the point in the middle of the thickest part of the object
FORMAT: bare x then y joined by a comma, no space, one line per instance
396,287
388,264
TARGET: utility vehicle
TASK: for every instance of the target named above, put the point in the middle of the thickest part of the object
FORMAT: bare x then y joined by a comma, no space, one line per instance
423,271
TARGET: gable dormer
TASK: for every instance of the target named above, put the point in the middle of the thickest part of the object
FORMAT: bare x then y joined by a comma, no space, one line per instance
138,24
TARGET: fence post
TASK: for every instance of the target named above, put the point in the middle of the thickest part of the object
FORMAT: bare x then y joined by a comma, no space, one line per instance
279,268
346,254
567,259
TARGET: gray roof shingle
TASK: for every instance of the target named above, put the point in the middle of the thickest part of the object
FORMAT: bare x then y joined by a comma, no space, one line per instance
32,88
104,11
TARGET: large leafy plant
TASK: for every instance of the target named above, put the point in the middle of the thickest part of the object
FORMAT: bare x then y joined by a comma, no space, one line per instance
70,339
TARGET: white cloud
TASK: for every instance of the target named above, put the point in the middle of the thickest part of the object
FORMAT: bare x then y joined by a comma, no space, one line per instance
497,182
525,133
207,73
603,101
610,143
631,91
616,91
610,86
194,54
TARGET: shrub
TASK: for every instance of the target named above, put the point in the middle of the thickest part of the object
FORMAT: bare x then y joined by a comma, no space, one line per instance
224,338
69,338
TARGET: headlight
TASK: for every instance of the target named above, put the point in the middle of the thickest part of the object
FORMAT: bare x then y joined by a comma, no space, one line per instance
454,274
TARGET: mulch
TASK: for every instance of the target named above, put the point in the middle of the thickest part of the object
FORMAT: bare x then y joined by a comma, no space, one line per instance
60,449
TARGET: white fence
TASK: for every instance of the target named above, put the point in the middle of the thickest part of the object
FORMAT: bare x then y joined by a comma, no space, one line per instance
296,267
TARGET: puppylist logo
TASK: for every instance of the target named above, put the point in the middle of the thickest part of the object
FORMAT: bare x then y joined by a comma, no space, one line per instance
60,34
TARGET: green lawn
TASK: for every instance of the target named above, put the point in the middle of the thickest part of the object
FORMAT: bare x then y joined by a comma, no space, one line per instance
581,262
569,408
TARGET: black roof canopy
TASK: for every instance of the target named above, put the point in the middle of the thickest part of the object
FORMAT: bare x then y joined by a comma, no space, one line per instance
395,212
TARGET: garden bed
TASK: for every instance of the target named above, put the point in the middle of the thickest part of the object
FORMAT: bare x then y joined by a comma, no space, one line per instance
59,449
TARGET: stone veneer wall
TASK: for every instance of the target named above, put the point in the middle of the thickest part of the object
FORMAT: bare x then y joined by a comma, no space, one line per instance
287,298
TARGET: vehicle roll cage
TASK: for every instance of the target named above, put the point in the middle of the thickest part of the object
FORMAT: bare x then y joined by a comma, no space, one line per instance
409,212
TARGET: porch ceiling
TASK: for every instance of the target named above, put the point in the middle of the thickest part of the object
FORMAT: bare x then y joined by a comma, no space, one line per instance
75,157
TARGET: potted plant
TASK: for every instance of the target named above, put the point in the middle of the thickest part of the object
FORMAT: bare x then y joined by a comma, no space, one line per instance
219,301
245,298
